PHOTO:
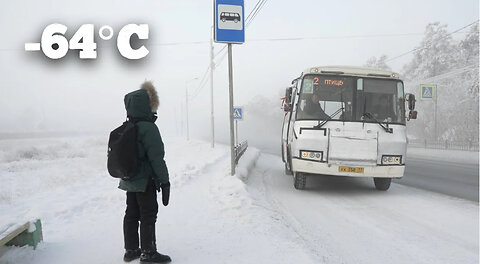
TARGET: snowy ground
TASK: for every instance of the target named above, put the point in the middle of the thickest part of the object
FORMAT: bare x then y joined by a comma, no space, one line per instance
211,217
256,217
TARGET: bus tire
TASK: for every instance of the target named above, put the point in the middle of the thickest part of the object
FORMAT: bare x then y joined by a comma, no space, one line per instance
382,184
299,180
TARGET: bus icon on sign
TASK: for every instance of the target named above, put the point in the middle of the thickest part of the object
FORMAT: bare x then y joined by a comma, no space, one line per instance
227,16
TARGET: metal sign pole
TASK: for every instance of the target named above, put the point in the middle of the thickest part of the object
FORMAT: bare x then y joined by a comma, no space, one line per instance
212,68
230,84
236,132
436,95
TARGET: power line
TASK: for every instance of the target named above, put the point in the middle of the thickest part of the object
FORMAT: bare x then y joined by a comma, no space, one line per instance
447,74
339,37
262,40
428,44
220,60
200,84
179,43
255,7
260,6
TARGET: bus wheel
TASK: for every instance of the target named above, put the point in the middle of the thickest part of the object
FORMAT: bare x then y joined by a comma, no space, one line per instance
382,184
300,180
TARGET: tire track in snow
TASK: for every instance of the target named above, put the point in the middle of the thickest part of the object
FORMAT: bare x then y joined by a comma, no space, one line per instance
345,220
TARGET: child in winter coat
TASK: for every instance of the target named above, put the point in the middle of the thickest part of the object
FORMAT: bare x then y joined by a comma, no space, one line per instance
151,176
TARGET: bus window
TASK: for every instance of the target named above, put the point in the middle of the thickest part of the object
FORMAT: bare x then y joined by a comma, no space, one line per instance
359,84
322,98
381,99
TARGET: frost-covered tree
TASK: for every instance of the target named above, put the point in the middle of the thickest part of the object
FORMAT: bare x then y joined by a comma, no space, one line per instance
379,63
434,56
468,59
468,53
453,67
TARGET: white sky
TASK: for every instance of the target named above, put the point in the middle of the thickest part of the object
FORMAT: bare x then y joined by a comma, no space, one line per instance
38,94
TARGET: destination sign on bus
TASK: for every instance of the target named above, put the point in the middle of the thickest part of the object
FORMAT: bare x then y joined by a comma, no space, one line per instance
328,82
334,82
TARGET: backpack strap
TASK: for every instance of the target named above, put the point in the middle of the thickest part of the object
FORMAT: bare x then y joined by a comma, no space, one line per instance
136,120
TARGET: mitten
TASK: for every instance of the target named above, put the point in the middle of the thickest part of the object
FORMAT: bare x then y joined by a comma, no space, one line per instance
165,193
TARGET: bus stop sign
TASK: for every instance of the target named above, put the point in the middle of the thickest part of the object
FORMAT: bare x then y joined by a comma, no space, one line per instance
229,21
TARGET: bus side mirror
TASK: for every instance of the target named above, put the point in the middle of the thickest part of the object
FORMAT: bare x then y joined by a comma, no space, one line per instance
288,95
411,102
287,106
412,115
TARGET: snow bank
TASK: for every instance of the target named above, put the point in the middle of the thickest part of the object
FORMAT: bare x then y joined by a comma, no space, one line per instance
247,162
232,189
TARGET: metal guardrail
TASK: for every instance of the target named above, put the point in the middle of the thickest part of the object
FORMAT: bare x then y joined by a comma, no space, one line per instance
239,150
444,144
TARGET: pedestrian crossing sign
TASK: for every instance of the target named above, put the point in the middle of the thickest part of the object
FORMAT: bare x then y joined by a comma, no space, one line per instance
237,113
428,91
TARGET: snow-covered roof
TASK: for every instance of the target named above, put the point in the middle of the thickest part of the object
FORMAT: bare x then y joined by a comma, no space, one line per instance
349,70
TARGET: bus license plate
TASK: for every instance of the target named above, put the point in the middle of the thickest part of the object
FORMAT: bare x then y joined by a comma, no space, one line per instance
350,169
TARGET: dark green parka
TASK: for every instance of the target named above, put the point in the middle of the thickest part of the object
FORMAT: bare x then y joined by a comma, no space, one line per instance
141,106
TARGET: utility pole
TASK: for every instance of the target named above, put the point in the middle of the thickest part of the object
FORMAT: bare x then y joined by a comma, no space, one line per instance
176,120
186,107
186,104
230,85
435,74
212,68
181,117
436,111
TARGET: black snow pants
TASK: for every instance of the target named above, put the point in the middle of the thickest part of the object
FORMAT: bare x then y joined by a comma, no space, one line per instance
141,207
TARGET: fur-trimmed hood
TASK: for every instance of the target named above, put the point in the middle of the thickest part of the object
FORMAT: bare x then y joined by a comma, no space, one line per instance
152,95
143,103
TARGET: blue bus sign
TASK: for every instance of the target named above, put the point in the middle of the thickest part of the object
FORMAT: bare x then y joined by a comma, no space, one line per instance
229,20
237,113
427,91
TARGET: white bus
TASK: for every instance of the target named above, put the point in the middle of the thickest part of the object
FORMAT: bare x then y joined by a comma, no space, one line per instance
346,121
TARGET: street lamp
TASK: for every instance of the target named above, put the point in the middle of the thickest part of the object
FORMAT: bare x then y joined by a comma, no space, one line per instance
186,102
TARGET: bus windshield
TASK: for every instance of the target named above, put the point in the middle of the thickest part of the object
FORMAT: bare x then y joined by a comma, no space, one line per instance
348,98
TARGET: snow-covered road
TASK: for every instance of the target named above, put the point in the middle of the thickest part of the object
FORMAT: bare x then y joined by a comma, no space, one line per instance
255,217
450,172
345,220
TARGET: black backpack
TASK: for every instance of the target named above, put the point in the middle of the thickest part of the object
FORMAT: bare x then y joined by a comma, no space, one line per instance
122,151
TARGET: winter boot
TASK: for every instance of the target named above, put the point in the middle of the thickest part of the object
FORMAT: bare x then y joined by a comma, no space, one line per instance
131,254
154,257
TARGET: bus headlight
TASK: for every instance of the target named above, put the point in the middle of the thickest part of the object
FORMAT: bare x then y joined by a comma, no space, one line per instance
311,155
391,159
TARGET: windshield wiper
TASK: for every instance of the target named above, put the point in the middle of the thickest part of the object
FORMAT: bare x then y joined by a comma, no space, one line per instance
323,122
370,116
